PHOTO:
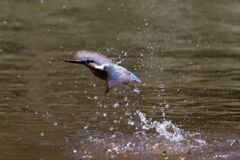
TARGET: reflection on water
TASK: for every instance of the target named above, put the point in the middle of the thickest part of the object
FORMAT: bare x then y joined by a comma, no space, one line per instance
185,52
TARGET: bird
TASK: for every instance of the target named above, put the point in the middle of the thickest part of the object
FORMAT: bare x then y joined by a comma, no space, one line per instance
104,68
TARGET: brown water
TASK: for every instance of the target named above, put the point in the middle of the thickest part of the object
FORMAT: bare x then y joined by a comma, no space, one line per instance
185,52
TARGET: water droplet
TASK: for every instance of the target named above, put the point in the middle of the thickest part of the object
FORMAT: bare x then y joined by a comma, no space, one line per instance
136,90
74,151
113,136
55,124
166,106
161,86
163,115
116,105
201,141
130,122
42,134
85,127
116,121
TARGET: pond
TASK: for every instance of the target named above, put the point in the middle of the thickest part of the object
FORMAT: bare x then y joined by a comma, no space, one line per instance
186,54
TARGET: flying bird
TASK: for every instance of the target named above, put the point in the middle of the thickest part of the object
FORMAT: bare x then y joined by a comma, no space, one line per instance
104,68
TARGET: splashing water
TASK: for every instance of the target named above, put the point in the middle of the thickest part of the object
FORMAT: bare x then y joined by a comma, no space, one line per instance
168,140
166,129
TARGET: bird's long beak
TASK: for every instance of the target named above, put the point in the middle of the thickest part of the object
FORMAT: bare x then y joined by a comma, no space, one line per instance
75,61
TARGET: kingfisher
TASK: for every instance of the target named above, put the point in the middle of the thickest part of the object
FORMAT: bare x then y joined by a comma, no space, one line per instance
104,68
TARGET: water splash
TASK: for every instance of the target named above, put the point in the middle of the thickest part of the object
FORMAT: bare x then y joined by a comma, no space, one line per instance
137,90
166,129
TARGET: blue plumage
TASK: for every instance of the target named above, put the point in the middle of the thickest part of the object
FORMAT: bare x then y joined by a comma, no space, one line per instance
104,68
135,77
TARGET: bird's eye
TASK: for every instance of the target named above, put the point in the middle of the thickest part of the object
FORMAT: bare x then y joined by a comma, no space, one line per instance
89,61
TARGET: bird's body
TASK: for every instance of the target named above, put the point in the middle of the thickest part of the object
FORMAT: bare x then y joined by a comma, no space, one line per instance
104,68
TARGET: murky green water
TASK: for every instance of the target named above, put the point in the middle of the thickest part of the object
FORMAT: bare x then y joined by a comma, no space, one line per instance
185,52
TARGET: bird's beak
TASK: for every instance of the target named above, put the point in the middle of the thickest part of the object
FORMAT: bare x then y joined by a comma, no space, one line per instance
75,61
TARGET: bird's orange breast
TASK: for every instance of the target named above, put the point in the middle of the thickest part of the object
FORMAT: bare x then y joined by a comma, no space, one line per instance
100,74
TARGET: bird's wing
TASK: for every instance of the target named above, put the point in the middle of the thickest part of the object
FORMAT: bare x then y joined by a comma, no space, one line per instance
94,56
124,77
111,83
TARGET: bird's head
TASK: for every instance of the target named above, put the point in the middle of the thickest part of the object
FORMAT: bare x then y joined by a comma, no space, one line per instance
89,59
89,62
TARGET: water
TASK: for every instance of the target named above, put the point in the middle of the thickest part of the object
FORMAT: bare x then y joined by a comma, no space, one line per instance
185,52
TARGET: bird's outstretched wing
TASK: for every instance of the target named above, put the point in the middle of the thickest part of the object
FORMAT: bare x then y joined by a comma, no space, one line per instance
92,56
124,77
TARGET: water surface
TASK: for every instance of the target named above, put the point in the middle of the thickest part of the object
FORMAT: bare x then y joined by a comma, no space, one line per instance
185,52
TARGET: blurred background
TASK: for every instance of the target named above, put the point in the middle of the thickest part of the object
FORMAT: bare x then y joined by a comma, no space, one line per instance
185,52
